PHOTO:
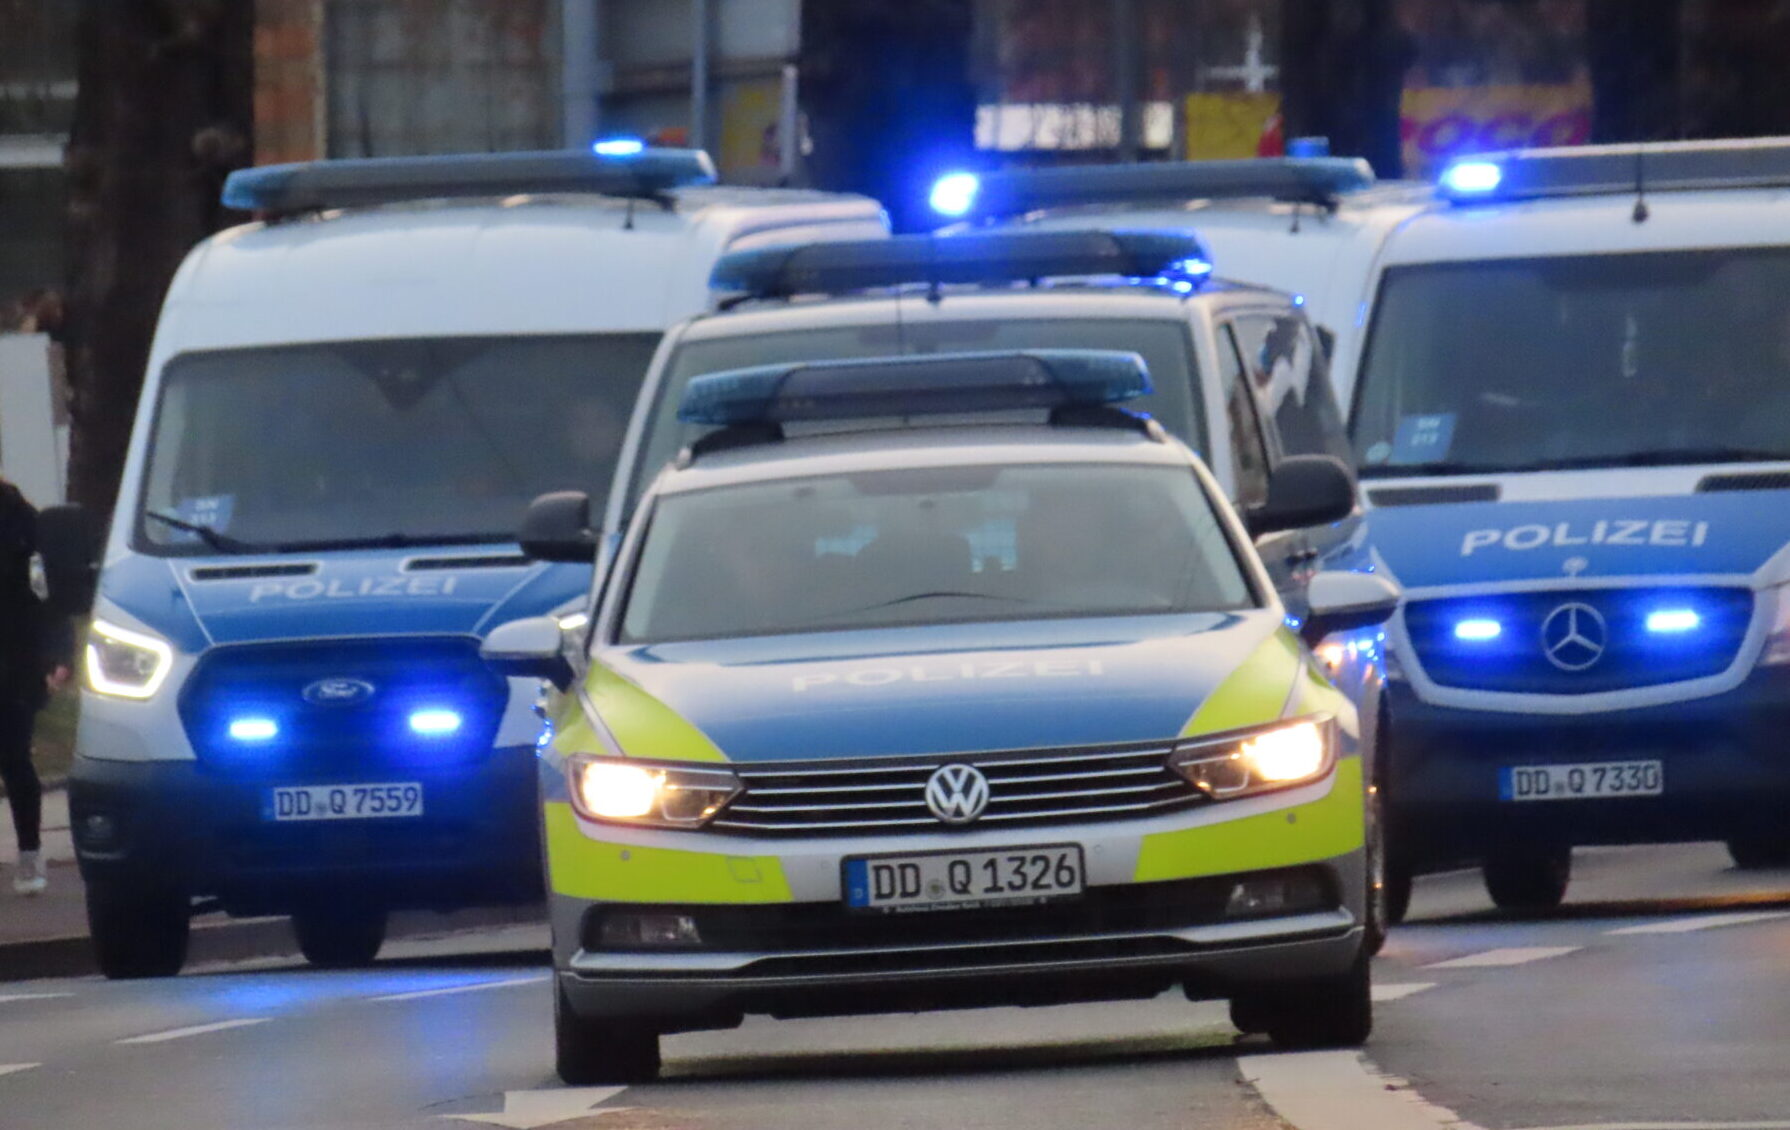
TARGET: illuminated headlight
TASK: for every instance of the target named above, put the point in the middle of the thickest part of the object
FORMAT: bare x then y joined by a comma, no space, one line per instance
1274,757
125,663
665,796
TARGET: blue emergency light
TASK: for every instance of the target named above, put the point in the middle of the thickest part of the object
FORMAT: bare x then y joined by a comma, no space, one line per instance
985,258
616,167
1011,192
435,722
254,729
1593,170
946,383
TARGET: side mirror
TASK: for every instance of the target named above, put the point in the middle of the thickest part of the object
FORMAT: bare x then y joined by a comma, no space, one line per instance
1303,490
1343,602
556,527
68,542
528,649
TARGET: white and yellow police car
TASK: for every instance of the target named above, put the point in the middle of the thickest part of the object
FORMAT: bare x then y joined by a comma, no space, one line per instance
944,682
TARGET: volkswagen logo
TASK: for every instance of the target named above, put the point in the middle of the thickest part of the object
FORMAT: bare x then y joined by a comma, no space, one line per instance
338,692
957,794
1574,636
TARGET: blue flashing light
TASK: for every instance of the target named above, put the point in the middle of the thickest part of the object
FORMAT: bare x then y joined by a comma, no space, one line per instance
254,729
618,146
954,194
1666,621
1478,630
1308,147
1472,178
435,722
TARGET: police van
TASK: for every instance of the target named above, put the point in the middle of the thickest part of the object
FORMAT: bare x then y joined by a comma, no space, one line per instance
348,406
937,682
1569,376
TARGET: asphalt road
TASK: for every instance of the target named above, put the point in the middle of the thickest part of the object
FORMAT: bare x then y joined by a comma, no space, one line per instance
1656,997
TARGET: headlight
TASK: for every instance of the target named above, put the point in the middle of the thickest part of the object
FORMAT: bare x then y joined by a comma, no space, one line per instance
1274,757
1777,643
663,796
126,663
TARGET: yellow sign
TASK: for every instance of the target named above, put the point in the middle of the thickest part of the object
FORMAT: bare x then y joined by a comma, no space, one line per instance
1232,125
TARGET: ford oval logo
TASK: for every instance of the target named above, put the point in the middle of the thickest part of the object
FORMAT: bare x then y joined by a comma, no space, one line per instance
338,692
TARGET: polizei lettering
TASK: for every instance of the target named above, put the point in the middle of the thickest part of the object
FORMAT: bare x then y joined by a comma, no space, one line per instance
950,672
1604,531
367,588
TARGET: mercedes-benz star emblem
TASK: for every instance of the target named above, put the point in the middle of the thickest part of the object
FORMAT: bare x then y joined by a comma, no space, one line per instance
957,794
1574,636
337,692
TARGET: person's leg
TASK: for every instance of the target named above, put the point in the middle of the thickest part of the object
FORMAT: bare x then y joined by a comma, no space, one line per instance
23,790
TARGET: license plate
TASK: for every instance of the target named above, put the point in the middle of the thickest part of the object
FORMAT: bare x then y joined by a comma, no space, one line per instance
344,802
1582,782
963,879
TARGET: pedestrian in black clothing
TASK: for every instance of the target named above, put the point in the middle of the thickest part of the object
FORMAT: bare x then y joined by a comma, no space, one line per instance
31,666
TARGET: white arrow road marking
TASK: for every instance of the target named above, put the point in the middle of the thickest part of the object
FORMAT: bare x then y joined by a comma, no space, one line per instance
1701,922
11,1068
1337,1091
1514,955
418,994
195,1030
524,1110
10,997
1399,992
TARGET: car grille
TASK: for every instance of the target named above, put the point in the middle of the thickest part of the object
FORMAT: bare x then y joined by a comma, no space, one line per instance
883,795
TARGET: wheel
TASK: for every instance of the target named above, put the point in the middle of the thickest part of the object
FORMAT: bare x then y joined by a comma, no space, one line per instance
1531,878
590,1053
1759,852
1398,889
338,937
1380,893
137,932
1323,1012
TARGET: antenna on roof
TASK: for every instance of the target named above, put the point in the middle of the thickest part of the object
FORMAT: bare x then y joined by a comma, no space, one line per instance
1641,211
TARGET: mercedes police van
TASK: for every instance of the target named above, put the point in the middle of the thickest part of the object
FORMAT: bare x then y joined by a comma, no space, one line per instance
348,406
941,682
1568,374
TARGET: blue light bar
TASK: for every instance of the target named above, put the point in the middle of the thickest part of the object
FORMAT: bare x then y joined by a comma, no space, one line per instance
946,383
1471,178
1317,180
434,723
254,729
1591,170
366,181
1478,630
985,258
1673,620
954,194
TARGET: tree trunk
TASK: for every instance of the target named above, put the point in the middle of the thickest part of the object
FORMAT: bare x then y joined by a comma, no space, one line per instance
1342,74
1632,46
165,110
887,91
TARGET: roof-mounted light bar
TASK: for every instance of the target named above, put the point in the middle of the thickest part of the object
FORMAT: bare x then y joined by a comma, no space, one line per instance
1597,170
363,182
970,258
1316,180
948,383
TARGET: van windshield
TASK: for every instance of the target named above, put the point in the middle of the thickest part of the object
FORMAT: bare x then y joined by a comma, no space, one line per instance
1586,361
1164,344
428,441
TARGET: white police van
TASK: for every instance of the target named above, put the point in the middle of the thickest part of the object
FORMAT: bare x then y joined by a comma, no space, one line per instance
1569,379
348,407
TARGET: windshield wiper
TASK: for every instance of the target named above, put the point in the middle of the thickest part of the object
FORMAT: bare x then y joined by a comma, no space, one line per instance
910,598
1414,470
392,541
210,535
1688,456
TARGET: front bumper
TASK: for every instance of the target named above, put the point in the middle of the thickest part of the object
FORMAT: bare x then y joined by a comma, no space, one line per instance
1725,759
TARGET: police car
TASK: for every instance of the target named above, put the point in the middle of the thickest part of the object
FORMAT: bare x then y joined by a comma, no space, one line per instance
943,682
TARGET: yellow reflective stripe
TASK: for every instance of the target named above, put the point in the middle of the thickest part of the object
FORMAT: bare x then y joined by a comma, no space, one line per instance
580,867
1305,833
1255,692
643,725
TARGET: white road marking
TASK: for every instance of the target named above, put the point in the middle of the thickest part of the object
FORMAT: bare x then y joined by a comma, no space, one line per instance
524,1110
1674,1126
1337,1091
1514,955
418,994
1399,992
1701,922
195,1030
13,1068
8,998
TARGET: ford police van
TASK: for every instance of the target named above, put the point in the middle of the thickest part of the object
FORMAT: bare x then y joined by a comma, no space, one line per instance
1569,379
942,682
348,407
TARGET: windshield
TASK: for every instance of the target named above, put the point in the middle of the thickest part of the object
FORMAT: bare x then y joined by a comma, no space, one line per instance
397,442
1582,361
928,546
1164,345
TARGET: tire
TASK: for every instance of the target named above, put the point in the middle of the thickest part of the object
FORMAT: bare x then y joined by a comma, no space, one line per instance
137,933
339,938
592,1053
1398,889
1324,1012
1528,879
1757,853
1380,917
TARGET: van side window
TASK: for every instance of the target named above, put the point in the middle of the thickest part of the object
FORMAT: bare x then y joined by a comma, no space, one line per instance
1292,377
1249,456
